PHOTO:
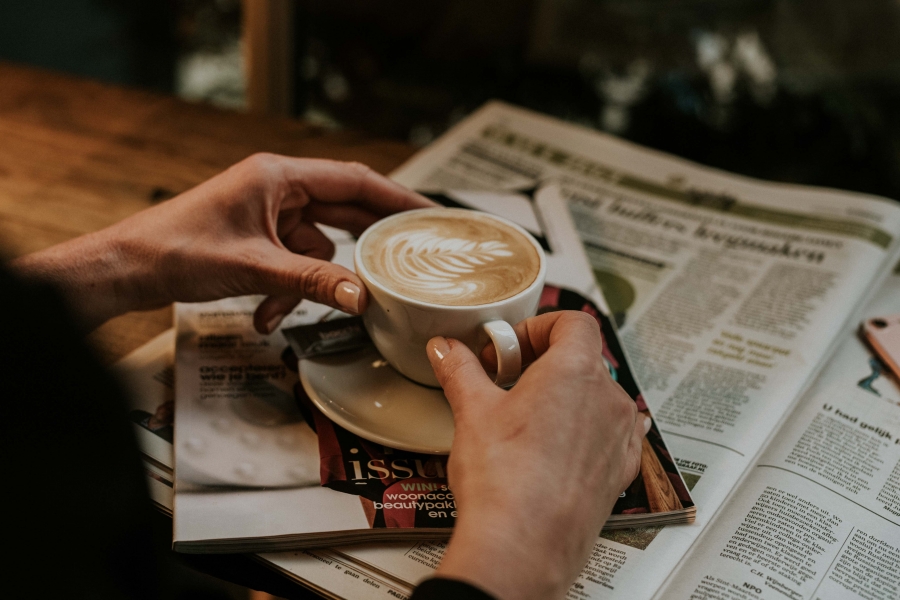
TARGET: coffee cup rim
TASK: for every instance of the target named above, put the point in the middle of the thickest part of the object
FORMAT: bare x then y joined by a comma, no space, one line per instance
369,280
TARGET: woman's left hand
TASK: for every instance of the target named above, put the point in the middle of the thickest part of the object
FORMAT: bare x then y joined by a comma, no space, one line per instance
248,230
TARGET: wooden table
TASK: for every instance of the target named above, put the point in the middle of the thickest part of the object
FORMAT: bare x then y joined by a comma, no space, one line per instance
77,155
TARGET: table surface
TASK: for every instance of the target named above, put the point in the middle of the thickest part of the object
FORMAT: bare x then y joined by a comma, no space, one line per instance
78,155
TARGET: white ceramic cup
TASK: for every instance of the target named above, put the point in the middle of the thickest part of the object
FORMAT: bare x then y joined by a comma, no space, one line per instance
400,326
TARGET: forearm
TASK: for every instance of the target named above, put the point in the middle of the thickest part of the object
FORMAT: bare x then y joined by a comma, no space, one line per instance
97,273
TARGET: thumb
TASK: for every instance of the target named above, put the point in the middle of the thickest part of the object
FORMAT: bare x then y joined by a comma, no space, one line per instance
459,373
297,276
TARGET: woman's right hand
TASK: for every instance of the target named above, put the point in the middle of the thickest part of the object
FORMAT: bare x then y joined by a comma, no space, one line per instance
535,470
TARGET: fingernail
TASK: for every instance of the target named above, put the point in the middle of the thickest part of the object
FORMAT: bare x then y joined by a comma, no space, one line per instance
274,323
439,347
347,295
648,422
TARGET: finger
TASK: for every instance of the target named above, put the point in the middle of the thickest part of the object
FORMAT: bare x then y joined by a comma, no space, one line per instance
348,217
307,239
632,462
459,373
537,334
272,311
297,276
331,181
287,220
302,238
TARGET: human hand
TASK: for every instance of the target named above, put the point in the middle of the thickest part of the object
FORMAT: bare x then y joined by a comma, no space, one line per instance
248,230
535,471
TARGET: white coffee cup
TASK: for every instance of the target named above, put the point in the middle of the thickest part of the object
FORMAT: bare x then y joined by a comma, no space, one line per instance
400,326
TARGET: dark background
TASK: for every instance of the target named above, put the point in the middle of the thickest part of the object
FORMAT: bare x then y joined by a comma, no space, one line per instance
802,91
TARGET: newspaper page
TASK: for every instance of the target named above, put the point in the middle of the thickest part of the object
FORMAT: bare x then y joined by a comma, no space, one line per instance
148,374
731,293
818,517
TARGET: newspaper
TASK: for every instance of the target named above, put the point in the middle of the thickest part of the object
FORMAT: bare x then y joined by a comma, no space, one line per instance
731,295
256,471
818,515
148,374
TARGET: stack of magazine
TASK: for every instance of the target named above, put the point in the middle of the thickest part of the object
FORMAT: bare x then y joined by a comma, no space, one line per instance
728,310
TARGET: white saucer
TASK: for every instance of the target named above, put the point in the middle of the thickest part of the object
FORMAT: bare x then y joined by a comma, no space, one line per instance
363,394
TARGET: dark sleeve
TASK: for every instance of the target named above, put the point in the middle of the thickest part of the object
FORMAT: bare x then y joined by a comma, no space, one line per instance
80,500
80,523
448,589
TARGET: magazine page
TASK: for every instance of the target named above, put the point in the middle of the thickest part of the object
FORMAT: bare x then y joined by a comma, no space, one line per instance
246,455
147,373
149,376
819,514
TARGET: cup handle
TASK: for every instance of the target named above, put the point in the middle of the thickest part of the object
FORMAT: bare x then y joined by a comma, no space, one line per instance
509,355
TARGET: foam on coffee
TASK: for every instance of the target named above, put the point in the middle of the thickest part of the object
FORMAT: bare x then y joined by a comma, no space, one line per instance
450,257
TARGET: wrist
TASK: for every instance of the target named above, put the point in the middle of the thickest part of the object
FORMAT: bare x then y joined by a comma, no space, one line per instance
96,273
505,558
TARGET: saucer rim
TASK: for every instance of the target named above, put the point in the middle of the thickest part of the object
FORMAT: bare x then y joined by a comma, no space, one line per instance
336,417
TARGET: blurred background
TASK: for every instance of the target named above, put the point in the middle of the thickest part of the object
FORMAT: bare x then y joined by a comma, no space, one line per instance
792,90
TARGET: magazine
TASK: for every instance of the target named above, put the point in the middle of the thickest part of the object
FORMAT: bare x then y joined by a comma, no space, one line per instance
259,468
148,374
731,295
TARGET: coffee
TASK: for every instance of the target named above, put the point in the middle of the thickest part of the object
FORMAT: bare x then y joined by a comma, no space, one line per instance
450,257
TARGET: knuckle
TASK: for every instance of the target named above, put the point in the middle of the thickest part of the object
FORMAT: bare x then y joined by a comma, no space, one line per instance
631,411
259,273
261,161
452,371
361,170
580,363
584,329
315,282
361,173
625,408
260,168
582,320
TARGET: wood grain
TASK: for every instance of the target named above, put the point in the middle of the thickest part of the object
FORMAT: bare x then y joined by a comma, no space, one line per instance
78,155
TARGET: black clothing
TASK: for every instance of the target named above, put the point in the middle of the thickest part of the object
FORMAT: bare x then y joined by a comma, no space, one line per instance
80,522
448,589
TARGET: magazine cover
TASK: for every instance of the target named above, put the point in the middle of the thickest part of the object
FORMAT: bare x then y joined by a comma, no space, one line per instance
400,489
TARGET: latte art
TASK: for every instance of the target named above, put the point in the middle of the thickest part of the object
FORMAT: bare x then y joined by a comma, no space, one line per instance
431,264
450,257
